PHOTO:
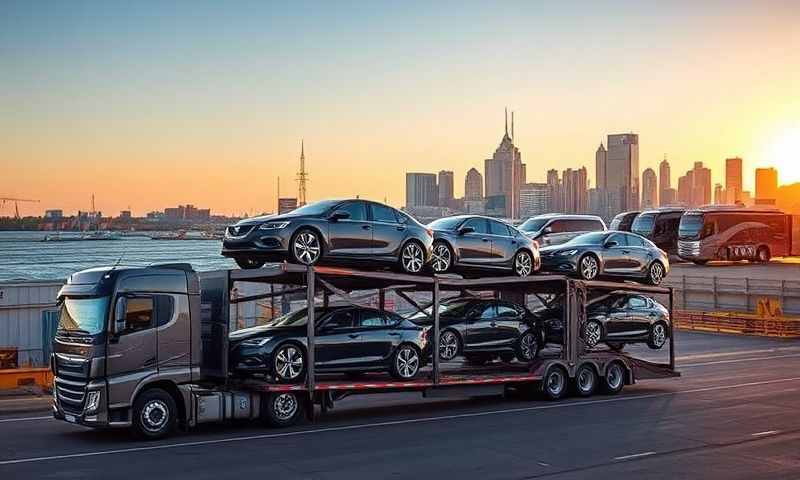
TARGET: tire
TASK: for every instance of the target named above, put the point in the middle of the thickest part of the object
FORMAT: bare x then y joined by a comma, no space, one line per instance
616,346
305,247
442,259
585,380
406,362
655,273
412,258
289,363
249,263
592,333
762,255
449,345
282,409
588,267
659,333
154,414
614,379
523,263
554,383
527,347
477,360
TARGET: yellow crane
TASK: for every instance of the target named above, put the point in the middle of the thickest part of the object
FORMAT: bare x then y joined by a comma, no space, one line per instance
16,201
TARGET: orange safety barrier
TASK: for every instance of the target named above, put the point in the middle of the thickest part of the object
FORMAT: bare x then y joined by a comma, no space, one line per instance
25,377
738,323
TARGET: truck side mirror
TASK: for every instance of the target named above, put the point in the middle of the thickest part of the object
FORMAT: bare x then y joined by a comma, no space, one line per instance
119,315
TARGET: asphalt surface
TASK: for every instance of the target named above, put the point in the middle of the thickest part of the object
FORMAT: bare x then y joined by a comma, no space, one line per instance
732,415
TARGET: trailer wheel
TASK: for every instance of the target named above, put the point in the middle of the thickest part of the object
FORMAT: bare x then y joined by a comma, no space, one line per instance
555,383
283,409
585,380
154,414
614,379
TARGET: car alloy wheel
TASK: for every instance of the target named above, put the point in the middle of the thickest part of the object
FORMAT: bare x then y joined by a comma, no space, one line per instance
412,258
589,267
658,335
407,362
307,247
441,258
592,332
656,273
289,363
523,264
448,345
528,347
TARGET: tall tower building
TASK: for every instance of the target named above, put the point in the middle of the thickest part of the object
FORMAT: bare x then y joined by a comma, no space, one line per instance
701,189
649,189
622,167
733,180
446,181
685,186
473,185
302,176
766,186
504,174
421,190
575,190
664,183
600,161
556,195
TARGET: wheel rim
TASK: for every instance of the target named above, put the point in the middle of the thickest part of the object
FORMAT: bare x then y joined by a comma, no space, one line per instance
555,382
585,380
448,346
659,335
656,273
592,333
412,258
528,346
155,415
614,376
289,363
407,362
306,248
522,265
285,406
589,267
441,258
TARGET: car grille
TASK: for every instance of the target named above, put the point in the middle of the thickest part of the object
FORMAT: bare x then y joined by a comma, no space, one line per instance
236,231
688,249
72,373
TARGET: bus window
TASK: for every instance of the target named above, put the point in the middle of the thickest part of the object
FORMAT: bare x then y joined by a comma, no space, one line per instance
709,227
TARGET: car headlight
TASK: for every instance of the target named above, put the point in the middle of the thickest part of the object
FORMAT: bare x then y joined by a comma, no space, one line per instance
92,401
273,225
256,342
567,253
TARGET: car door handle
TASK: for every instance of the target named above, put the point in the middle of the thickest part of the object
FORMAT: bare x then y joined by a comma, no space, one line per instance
394,334
401,228
626,251
365,227
485,239
354,335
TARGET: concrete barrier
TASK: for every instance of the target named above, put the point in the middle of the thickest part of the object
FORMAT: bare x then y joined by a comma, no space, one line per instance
737,323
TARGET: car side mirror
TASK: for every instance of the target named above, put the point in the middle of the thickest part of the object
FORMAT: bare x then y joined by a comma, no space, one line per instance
339,215
119,315
610,243
465,230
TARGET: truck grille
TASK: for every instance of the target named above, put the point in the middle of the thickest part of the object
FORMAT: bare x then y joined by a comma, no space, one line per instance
70,395
688,249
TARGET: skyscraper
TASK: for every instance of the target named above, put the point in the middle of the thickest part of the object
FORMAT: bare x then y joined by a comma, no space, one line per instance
504,174
664,183
622,177
685,185
534,199
446,180
575,188
701,186
649,189
719,194
554,187
421,190
766,186
600,161
473,185
733,180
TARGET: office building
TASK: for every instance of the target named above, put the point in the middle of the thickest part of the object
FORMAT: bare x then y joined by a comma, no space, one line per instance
719,194
555,192
473,185
54,214
600,161
649,189
446,181
622,167
766,185
421,190
685,185
664,183
668,197
534,199
733,180
575,190
504,174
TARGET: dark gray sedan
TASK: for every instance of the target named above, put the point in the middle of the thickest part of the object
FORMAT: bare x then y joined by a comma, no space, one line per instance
613,254
624,318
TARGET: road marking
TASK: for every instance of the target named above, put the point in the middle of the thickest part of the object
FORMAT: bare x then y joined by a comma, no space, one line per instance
738,360
24,419
392,422
768,432
635,455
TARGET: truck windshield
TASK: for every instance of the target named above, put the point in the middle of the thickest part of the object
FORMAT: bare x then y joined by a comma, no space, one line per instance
690,227
643,224
533,224
83,315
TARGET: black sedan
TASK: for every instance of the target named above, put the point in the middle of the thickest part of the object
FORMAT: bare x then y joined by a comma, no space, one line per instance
482,330
613,253
469,243
333,231
348,340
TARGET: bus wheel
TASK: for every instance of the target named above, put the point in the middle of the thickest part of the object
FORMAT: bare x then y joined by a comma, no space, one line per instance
154,414
555,383
614,379
762,255
283,409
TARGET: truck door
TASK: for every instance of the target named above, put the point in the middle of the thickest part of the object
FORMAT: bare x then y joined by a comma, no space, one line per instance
132,353
173,336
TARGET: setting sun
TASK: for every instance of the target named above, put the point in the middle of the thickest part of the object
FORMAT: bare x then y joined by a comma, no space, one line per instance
784,154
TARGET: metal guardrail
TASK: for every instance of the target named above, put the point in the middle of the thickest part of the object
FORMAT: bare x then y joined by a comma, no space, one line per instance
735,294
737,323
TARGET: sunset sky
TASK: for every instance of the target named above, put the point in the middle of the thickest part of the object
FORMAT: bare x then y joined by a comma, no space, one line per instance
152,104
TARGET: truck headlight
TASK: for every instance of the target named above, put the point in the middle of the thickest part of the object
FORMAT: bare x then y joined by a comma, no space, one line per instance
273,225
567,253
92,401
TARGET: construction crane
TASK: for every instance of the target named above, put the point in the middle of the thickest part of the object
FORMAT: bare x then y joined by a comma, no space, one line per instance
16,201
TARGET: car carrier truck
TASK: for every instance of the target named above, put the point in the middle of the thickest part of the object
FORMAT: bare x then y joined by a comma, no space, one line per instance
146,348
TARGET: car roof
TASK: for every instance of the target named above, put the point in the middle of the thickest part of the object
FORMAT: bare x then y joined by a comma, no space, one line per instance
567,216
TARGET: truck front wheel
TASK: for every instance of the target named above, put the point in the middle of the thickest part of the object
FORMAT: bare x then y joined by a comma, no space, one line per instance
154,414
283,409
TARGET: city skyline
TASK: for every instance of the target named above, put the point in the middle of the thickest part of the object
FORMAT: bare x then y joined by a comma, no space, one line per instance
142,107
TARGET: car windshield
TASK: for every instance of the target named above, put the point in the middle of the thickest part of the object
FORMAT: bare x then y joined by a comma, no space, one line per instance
291,319
447,223
316,208
690,227
591,238
644,223
533,224
83,315
457,308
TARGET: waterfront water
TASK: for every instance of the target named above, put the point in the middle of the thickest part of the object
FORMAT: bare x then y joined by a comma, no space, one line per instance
24,256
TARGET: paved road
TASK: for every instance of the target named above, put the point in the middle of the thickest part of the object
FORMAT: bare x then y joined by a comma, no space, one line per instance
733,415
